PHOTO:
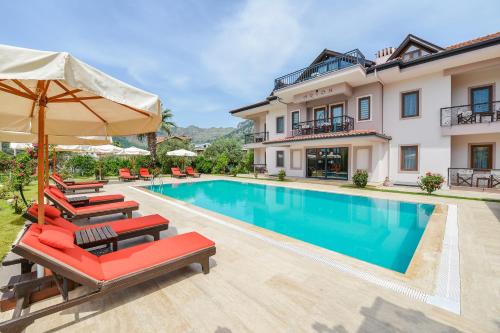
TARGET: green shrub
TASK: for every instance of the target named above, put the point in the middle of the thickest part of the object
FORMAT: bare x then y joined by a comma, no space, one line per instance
202,164
281,175
360,178
430,182
221,164
81,165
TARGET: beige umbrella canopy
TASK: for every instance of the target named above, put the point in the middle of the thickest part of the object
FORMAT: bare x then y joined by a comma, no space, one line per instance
19,137
53,93
79,100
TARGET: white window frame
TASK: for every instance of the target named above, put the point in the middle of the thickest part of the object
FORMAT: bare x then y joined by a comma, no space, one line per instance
371,108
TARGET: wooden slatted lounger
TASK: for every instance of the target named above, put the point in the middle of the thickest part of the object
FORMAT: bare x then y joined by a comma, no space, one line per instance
108,273
128,228
94,200
73,213
73,187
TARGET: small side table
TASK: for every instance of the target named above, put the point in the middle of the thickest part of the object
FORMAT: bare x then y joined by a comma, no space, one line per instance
92,237
79,201
487,179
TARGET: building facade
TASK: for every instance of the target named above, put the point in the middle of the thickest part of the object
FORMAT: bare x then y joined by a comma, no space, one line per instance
414,109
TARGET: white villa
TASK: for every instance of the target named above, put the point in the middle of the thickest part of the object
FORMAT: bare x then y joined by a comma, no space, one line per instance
414,109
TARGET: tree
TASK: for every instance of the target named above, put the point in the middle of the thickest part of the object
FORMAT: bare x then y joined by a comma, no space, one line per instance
166,161
166,126
231,151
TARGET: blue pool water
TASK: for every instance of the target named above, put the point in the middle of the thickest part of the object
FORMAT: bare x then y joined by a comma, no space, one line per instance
382,232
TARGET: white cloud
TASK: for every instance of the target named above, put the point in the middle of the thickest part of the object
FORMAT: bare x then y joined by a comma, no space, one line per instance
253,45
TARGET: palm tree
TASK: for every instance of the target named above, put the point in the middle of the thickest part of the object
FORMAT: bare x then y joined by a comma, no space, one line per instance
166,126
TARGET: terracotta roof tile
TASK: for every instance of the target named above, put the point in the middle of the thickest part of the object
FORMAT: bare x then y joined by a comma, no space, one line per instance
328,136
473,41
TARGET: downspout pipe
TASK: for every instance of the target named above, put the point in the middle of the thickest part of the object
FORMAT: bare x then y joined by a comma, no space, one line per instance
387,181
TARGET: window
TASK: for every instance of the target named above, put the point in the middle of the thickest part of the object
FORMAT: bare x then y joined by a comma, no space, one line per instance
280,125
364,112
481,98
295,119
410,104
280,159
413,52
481,156
320,116
409,158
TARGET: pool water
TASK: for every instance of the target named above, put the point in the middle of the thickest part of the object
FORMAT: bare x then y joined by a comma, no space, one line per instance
382,232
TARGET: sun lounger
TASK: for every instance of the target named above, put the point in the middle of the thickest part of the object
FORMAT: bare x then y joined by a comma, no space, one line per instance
84,200
176,172
191,172
73,213
72,187
124,174
144,174
127,228
102,275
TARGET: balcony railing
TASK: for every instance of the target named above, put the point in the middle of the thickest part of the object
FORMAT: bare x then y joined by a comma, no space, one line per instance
470,114
348,59
335,124
256,137
489,178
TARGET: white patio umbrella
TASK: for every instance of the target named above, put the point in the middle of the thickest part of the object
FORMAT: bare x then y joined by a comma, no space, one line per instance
21,137
181,153
105,150
134,151
53,93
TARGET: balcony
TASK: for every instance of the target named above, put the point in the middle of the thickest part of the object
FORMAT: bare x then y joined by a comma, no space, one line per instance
256,137
346,60
478,118
332,125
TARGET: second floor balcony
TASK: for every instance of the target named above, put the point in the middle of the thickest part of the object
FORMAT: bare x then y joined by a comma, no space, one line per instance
333,64
332,125
470,114
256,137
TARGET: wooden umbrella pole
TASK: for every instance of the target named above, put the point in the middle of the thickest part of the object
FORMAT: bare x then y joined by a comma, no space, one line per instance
42,102
46,160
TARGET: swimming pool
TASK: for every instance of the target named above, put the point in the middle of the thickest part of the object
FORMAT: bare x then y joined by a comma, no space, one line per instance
382,232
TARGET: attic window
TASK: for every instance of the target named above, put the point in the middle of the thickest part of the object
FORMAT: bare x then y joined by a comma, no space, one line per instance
413,52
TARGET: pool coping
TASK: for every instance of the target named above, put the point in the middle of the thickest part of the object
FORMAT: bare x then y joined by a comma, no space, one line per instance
446,290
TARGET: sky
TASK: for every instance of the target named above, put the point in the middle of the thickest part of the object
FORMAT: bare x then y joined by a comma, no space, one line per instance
204,58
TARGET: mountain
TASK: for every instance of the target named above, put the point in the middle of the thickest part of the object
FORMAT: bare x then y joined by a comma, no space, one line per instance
198,134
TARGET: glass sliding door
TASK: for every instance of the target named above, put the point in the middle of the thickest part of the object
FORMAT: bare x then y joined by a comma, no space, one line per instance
329,163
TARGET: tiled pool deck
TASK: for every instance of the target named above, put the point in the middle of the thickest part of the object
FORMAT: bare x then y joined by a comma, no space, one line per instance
264,282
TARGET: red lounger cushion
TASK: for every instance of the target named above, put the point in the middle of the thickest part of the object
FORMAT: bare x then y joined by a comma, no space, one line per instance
56,237
106,207
139,257
49,211
137,223
75,257
101,198
57,192
121,262
84,186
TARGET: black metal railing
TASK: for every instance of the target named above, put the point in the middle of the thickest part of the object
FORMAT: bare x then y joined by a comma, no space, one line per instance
480,178
345,60
335,124
470,114
256,137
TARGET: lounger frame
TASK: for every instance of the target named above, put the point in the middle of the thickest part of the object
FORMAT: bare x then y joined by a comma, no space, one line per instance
153,231
126,211
67,188
62,273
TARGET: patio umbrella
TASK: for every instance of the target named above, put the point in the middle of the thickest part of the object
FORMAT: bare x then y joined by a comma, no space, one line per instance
53,93
181,153
134,151
105,150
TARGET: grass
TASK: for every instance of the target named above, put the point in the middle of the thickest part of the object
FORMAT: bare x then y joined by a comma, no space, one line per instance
377,189
11,223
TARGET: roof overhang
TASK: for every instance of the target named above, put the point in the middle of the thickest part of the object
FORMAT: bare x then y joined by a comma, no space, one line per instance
322,139
270,103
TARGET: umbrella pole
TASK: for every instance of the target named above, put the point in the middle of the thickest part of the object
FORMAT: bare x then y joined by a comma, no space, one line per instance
46,160
42,101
